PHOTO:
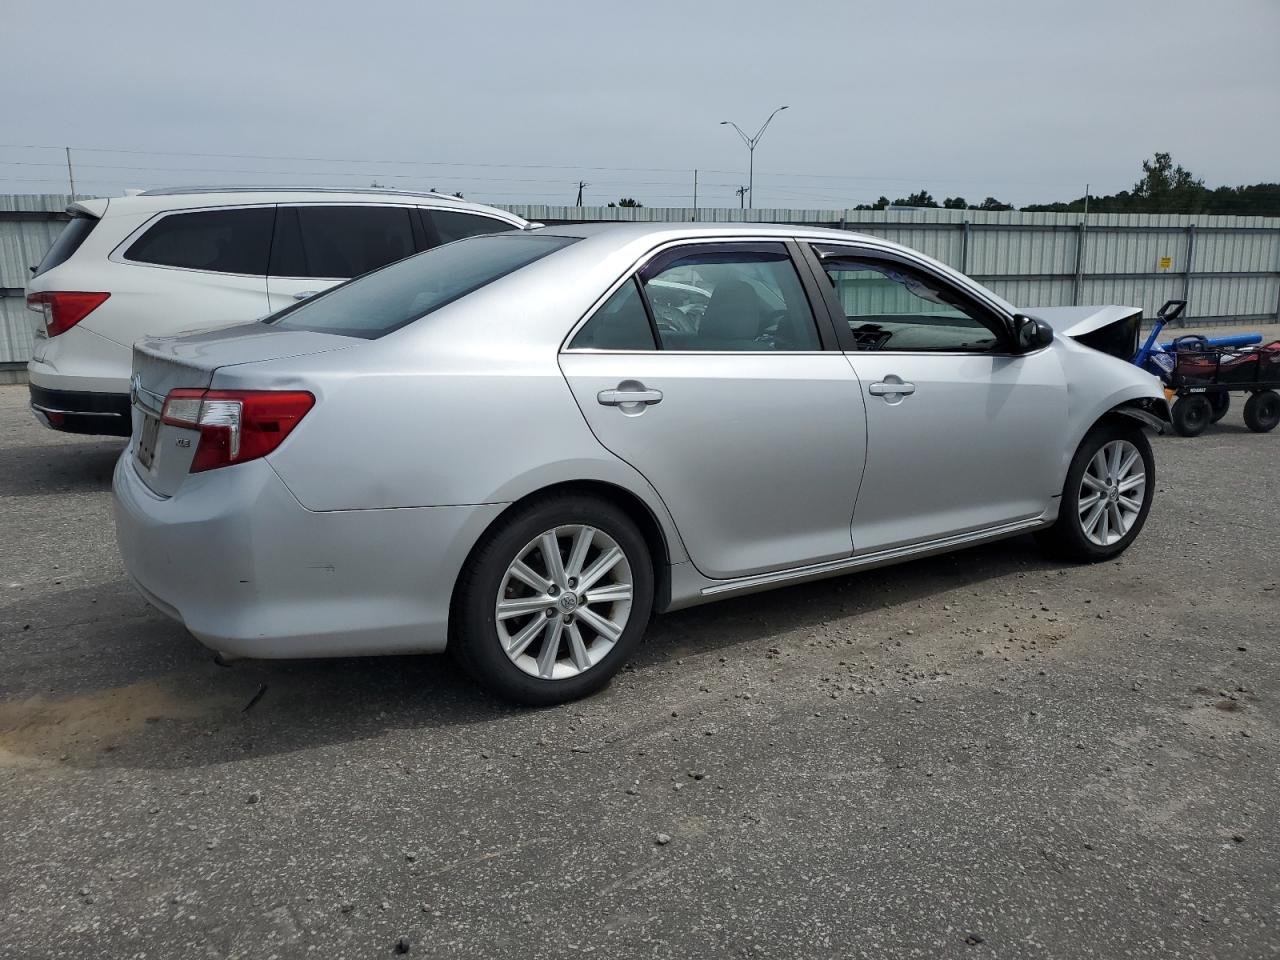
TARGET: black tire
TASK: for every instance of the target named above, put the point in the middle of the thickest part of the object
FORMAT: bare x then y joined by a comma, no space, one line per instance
1219,404
1262,411
474,636
1066,539
1191,414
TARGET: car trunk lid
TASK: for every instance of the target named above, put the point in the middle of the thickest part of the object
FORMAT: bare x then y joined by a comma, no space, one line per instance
163,452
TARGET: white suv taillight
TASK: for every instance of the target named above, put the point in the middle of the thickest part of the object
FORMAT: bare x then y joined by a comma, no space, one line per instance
62,310
235,425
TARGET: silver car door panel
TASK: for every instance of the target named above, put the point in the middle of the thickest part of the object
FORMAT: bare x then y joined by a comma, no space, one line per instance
757,456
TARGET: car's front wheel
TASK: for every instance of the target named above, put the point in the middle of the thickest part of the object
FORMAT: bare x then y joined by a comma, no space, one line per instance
552,601
1106,497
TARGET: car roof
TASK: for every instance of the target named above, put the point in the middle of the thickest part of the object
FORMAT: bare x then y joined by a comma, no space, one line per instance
628,242
181,198
660,232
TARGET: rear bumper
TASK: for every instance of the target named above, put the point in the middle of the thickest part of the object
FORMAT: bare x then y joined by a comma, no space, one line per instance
252,573
78,411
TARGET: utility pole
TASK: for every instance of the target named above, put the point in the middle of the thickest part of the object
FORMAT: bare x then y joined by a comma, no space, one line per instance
581,184
695,194
742,196
751,148
70,174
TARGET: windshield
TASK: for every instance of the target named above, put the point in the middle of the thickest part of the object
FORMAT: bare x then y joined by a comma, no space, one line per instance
373,305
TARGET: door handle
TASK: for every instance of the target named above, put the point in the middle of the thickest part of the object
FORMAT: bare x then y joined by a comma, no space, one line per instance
616,398
305,294
887,388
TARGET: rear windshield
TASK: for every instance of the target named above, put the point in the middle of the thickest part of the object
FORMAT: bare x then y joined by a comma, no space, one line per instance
387,299
68,242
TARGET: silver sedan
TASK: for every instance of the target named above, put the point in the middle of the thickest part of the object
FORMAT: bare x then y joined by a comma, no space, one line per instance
522,446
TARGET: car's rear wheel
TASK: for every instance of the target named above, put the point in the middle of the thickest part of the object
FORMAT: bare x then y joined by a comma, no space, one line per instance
553,601
1262,411
1106,497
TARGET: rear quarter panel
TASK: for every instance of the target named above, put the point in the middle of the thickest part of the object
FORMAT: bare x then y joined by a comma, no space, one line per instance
384,435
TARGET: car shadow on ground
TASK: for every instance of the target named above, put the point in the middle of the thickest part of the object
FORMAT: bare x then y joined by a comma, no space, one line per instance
45,469
108,682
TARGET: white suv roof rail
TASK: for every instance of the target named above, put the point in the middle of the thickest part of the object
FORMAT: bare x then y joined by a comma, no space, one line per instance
379,191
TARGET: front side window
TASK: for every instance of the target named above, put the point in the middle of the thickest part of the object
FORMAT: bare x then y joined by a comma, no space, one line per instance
892,307
451,225
729,298
339,242
224,241
374,305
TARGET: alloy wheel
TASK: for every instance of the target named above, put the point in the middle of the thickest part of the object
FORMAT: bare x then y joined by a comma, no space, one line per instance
1111,492
564,602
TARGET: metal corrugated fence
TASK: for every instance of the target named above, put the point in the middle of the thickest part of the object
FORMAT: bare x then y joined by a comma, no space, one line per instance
1228,268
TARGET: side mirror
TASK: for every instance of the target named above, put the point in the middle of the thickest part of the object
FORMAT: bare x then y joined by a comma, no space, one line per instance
1030,334
1171,310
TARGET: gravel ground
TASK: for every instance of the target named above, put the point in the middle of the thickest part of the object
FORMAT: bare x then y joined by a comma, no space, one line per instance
978,755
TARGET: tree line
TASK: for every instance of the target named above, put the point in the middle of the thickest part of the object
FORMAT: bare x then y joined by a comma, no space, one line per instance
1165,187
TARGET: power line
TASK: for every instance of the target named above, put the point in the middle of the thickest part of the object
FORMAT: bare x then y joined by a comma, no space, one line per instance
876,178
339,173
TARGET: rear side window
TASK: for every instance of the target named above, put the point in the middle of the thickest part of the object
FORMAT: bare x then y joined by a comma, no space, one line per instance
68,242
621,323
224,241
450,225
339,242
373,306
729,297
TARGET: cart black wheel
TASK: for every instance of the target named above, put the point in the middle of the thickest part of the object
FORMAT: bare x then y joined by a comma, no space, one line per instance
1262,411
1190,415
1219,404
1106,497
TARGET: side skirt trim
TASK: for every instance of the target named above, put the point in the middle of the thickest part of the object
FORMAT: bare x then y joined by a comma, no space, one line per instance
831,567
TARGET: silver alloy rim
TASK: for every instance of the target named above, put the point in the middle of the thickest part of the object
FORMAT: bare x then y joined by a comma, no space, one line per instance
1111,492
564,602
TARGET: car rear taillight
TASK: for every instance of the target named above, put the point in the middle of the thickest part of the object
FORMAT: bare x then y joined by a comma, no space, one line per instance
63,310
235,425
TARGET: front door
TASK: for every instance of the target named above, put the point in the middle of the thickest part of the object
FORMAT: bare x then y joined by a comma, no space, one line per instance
708,373
962,434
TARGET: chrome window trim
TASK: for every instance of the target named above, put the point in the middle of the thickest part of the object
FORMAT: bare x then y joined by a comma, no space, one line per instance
688,242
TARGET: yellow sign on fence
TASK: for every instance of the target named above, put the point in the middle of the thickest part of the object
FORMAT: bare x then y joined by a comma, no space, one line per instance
1166,263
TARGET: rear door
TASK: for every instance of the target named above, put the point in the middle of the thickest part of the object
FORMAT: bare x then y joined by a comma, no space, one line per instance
732,401
963,434
318,245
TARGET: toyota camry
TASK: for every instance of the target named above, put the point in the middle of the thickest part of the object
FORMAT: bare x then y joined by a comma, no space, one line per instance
520,447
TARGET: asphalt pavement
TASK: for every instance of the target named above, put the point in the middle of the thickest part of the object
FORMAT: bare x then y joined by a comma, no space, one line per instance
985,754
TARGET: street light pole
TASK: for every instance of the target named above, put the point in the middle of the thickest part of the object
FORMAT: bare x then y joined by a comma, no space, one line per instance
751,149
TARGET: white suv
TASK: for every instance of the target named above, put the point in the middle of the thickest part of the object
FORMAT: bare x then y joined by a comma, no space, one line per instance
170,261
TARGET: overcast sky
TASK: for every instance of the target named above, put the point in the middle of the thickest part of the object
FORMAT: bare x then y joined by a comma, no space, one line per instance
1025,100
